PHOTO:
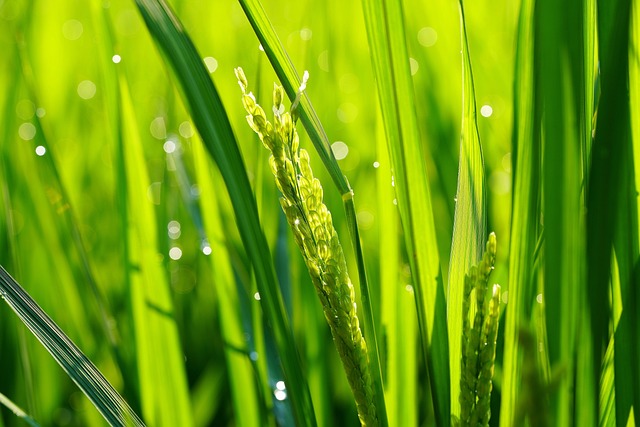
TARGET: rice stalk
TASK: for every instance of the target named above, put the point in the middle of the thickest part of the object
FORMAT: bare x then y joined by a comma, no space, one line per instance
313,231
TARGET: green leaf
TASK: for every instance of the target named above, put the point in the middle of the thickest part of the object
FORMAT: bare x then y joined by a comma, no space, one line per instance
244,389
469,226
84,373
160,360
385,31
212,123
612,203
398,309
525,216
4,400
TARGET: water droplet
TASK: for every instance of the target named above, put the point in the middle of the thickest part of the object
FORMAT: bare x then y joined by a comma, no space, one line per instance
116,59
256,296
253,356
539,298
409,289
395,202
376,165
40,150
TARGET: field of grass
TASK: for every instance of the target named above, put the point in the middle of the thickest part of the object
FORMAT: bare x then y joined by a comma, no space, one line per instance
152,276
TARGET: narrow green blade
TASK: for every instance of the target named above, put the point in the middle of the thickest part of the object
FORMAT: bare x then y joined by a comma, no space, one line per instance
4,400
612,197
616,165
633,296
160,361
399,323
385,31
84,373
212,123
469,226
525,217
241,375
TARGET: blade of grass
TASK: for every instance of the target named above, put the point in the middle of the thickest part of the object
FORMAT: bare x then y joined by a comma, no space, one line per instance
469,226
606,196
624,275
385,32
4,400
291,82
525,219
398,307
241,375
210,119
633,296
84,373
561,70
159,356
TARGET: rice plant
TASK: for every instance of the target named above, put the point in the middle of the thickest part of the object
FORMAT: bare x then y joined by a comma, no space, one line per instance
147,250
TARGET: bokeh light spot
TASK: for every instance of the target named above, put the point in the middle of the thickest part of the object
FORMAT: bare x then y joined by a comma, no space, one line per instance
427,36
414,66
175,253
347,112
157,128
72,29
486,110
27,131
185,129
211,63
25,109
340,150
87,89
306,34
